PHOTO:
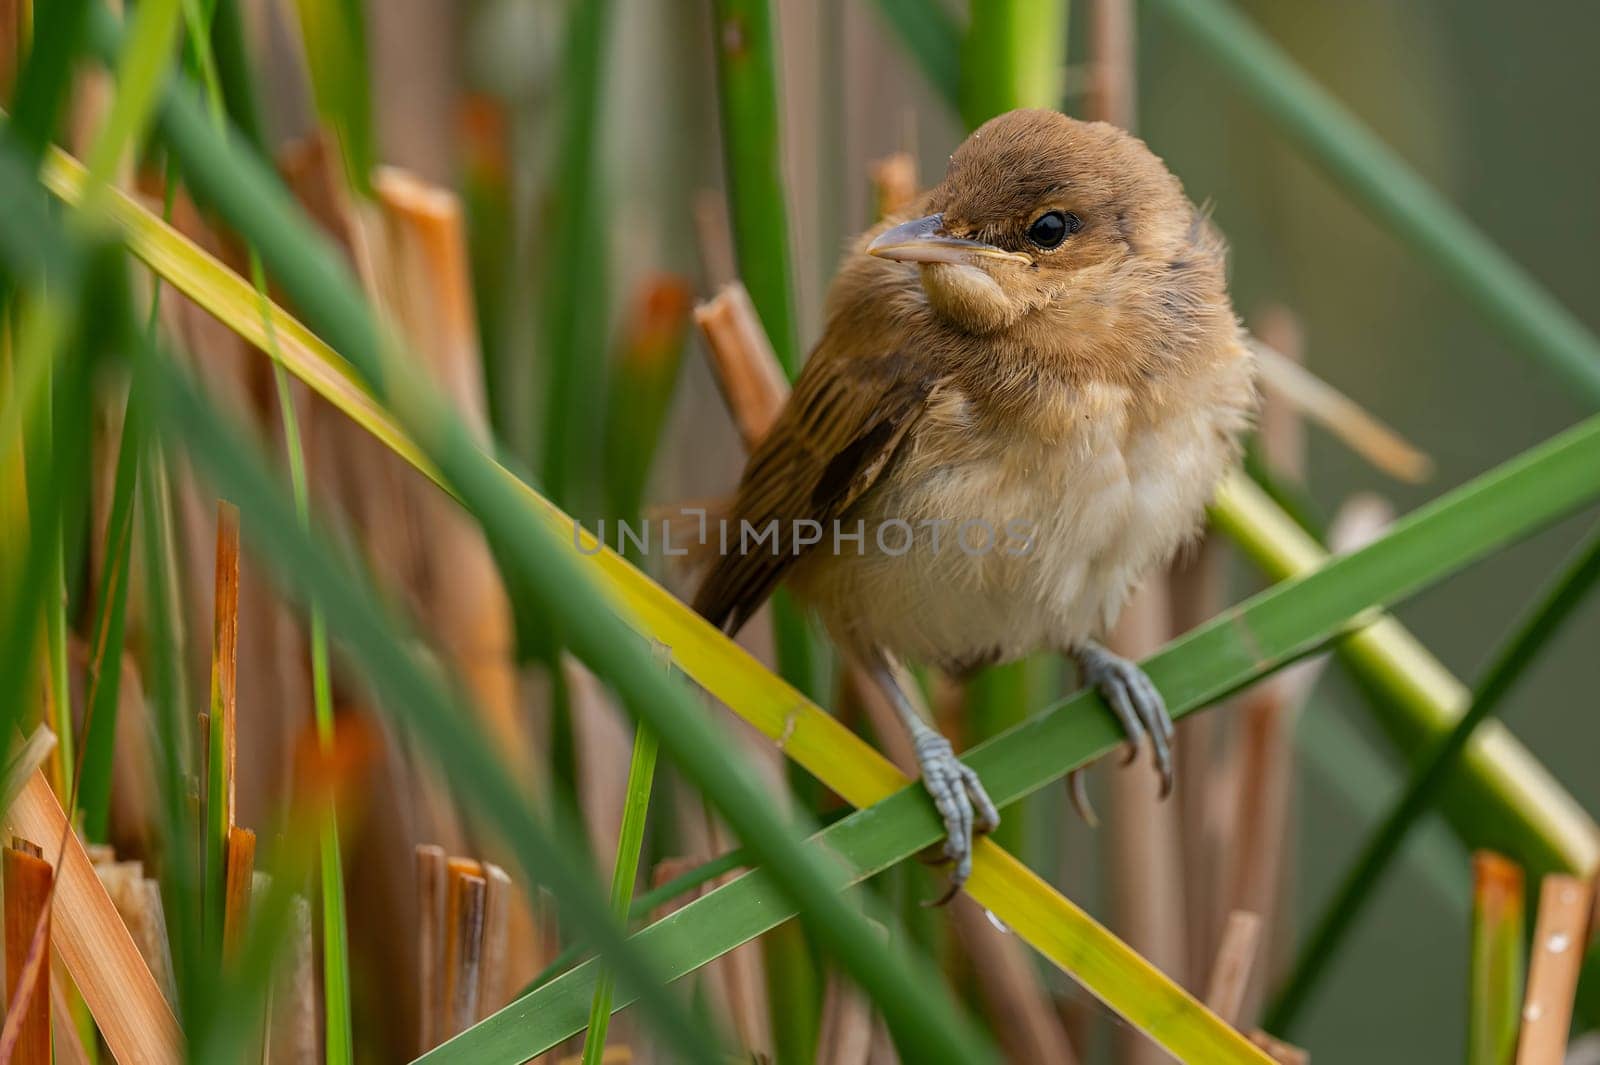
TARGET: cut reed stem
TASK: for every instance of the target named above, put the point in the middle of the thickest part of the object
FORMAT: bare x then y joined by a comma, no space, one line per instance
1559,936
28,880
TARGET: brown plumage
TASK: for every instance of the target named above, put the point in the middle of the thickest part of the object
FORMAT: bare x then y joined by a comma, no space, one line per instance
1045,351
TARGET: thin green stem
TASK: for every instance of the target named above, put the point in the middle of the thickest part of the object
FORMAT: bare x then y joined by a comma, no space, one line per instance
752,145
630,842
1362,880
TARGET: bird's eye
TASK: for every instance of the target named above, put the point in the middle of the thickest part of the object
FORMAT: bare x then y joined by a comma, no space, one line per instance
1052,227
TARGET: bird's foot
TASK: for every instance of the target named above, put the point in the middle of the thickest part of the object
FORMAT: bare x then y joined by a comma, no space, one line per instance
1137,705
959,797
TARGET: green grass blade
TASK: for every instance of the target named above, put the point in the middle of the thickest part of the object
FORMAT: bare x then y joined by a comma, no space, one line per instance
630,841
234,72
1014,55
334,35
1365,874
575,272
1382,183
93,787
752,140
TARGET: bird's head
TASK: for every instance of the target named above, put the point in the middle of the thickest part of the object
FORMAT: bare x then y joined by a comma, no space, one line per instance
1033,210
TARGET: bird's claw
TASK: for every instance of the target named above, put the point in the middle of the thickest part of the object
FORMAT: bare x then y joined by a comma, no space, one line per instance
962,803
1139,707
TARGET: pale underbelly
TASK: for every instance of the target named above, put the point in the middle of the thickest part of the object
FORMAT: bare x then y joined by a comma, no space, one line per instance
982,563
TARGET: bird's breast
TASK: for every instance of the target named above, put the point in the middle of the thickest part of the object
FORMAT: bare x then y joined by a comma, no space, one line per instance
1024,534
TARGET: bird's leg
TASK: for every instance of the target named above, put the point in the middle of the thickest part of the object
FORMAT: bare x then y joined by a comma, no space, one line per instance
957,792
1137,705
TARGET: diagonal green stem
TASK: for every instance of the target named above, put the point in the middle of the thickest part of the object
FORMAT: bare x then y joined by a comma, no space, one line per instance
1320,948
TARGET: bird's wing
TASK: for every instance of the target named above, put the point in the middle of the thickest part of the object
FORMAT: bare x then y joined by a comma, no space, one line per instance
834,438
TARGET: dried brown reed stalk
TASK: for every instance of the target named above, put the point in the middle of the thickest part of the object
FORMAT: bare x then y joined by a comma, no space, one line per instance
736,983
1560,934
745,365
240,867
431,886
1279,1051
465,893
1146,858
137,899
428,290
1112,78
844,1034
894,183
1205,793
1024,1019
225,657
1230,972
500,899
1284,379
134,1018
28,879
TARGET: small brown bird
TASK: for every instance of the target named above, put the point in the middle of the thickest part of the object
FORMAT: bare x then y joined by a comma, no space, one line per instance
1020,407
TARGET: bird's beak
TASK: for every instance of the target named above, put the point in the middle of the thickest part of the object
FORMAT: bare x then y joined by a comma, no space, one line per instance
924,240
